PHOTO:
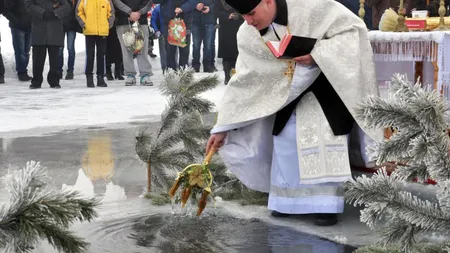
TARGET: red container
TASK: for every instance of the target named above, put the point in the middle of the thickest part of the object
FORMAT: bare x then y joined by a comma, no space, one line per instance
416,24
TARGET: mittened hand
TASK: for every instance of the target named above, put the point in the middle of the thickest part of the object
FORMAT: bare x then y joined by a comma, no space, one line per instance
49,15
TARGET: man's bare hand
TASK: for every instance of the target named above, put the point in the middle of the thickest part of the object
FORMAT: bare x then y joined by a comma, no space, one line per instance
306,60
232,16
216,141
178,10
205,9
200,6
135,16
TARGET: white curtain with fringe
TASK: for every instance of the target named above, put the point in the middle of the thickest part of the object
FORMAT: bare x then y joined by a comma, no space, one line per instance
396,53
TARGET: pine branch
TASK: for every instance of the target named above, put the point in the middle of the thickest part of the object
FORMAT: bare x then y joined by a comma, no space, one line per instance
37,211
398,232
412,171
202,85
144,142
394,149
376,112
443,196
168,118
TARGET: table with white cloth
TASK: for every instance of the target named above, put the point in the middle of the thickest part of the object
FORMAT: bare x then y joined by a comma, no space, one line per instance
418,54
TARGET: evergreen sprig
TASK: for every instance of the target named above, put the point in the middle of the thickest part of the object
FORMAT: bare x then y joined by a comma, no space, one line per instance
37,212
420,146
181,131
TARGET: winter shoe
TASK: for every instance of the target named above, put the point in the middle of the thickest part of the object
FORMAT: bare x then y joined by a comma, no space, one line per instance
57,86
130,81
101,82
24,77
69,75
118,74
35,86
145,81
2,79
90,81
326,219
109,76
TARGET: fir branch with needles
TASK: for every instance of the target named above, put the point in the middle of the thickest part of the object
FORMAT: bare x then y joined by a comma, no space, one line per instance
421,147
38,212
181,130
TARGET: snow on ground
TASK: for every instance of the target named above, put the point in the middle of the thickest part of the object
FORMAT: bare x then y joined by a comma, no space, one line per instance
30,112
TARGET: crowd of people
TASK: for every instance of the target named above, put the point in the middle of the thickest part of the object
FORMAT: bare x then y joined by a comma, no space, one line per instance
49,27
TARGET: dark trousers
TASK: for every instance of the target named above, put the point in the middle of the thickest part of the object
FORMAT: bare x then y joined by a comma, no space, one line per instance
203,34
93,42
22,43
171,52
2,66
39,55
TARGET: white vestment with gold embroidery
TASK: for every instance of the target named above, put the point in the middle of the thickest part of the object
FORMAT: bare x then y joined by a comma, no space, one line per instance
302,168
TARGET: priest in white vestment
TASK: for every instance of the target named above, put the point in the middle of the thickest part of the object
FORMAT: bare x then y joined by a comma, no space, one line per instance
282,125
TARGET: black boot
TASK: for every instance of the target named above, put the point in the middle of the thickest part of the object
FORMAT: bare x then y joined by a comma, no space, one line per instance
227,71
69,75
2,79
90,81
326,219
118,74
101,82
109,75
279,215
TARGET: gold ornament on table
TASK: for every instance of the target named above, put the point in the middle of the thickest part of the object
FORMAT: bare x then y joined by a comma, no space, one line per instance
194,178
362,11
401,26
442,11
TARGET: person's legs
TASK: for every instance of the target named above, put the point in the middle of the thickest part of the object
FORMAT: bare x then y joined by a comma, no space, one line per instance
184,52
61,60
208,64
39,55
100,43
127,57
162,53
53,75
197,38
21,43
71,36
144,65
90,54
2,69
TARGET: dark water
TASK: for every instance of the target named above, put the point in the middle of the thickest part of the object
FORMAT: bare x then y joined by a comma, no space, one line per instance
103,163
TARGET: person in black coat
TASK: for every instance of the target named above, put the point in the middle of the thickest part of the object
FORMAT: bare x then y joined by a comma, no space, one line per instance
47,35
229,23
71,28
113,56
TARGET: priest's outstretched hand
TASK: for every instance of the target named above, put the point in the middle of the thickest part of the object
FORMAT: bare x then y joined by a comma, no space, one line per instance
305,60
216,141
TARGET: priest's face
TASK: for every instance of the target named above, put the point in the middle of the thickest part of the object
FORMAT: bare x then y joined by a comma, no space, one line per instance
262,15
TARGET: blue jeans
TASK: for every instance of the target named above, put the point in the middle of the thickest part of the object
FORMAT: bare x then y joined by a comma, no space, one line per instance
203,34
22,44
70,35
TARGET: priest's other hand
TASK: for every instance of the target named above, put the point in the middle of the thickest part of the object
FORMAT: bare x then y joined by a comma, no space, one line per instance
216,141
305,60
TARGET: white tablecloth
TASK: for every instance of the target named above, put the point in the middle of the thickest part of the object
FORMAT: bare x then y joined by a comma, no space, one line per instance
399,51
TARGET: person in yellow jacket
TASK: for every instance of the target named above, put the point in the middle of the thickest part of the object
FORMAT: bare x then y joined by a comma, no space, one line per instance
96,17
